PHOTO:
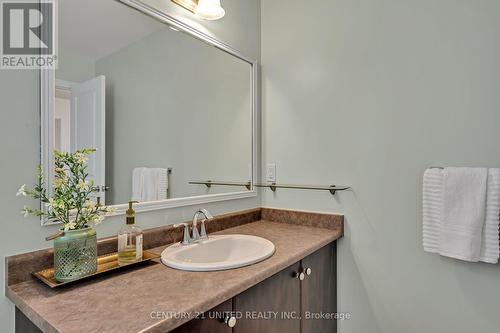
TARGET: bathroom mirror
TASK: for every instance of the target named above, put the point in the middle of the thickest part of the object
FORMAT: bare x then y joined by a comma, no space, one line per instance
169,109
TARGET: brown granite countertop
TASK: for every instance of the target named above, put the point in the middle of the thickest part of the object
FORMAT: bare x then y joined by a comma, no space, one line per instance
130,301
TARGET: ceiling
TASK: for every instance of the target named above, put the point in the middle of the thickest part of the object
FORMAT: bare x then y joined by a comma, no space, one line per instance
97,28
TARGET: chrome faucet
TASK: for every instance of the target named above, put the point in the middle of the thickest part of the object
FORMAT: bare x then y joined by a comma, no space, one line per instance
197,236
203,234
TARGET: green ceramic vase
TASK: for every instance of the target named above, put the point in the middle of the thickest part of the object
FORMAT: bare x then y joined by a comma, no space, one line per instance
75,254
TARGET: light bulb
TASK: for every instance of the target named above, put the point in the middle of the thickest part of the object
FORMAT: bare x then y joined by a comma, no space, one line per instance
209,9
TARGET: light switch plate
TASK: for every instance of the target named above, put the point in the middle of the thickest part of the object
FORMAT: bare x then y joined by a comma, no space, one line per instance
271,172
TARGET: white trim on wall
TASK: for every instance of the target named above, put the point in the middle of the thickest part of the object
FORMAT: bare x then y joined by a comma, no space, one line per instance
180,202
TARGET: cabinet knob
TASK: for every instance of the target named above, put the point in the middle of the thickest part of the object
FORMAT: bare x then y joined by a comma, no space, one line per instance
299,275
308,271
230,321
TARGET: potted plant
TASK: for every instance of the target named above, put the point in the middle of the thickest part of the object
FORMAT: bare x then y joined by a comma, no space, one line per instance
71,204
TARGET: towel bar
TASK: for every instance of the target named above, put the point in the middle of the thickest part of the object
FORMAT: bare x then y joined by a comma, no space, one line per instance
273,186
209,183
331,188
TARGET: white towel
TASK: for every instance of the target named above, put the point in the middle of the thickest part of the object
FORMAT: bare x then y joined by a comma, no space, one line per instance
490,249
463,212
149,184
162,175
432,206
137,184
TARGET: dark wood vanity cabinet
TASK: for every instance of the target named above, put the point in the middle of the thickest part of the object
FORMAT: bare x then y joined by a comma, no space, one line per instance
299,299
272,305
212,321
319,291
23,324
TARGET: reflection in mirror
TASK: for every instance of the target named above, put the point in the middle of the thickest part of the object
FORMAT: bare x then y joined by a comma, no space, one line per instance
163,109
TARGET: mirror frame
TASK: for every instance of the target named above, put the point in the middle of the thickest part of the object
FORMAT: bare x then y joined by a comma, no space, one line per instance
47,96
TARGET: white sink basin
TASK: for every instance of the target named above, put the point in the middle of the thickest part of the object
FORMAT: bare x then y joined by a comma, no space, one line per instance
218,253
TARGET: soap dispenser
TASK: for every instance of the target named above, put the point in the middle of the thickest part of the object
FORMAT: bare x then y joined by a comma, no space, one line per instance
130,239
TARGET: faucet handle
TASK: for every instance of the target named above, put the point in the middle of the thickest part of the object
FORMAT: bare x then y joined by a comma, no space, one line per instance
186,238
203,231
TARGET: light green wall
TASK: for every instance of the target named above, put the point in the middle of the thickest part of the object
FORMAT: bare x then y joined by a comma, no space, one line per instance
73,67
20,137
238,27
370,93
187,107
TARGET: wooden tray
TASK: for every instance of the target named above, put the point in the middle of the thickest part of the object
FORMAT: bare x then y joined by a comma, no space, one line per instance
105,264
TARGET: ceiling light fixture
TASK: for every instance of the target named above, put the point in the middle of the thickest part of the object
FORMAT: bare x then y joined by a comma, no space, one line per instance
206,9
210,9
